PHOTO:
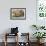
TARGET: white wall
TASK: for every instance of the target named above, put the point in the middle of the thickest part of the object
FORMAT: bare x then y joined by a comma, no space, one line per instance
24,25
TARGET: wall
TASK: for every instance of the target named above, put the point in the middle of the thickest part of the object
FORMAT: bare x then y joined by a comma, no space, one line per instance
24,25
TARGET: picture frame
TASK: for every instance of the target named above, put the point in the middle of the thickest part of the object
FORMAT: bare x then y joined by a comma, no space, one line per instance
41,8
18,13
40,12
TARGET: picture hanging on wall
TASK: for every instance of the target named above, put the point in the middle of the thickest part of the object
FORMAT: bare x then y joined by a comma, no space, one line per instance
18,13
41,8
41,12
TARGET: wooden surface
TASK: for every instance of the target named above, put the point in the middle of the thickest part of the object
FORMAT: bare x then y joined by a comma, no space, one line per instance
14,44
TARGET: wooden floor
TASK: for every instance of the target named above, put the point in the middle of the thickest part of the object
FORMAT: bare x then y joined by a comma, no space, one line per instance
13,44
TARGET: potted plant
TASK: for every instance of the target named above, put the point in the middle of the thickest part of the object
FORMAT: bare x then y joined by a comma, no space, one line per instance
39,36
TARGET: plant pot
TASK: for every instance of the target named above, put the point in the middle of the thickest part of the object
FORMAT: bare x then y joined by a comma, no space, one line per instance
40,41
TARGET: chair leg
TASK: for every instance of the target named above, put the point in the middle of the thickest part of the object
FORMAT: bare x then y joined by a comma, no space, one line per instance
5,43
5,40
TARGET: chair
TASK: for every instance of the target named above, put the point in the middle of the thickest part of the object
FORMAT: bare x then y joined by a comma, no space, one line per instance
26,37
14,32
7,35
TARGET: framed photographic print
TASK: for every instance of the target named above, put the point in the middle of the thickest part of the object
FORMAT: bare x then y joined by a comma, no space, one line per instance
41,8
41,12
18,13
